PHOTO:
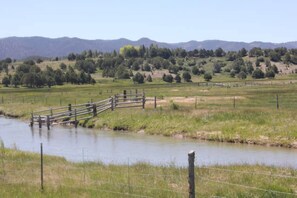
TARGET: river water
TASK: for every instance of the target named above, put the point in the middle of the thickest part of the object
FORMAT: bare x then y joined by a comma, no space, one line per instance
83,144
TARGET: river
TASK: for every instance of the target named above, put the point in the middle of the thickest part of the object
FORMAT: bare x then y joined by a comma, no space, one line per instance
83,144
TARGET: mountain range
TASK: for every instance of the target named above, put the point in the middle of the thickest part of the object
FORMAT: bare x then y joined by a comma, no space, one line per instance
23,47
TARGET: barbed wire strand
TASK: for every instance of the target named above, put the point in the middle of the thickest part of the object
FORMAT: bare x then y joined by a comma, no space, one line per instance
248,187
247,172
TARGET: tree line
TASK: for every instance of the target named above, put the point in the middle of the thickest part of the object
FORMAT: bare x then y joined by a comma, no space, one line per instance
30,75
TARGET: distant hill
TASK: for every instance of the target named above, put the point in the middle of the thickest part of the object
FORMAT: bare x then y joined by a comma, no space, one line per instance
23,47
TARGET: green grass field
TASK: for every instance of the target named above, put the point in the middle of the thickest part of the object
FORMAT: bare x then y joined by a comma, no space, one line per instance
20,177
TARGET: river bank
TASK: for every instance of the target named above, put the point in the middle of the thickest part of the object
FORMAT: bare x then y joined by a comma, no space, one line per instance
244,127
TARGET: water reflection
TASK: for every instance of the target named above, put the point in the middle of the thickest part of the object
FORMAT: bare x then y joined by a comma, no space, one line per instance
114,147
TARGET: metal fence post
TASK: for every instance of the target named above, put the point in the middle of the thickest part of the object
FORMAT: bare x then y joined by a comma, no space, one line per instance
191,179
41,167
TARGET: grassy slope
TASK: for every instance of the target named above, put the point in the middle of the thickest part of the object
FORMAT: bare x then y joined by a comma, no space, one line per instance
20,177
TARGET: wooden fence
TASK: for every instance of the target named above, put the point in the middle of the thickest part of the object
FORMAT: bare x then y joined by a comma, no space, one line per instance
72,114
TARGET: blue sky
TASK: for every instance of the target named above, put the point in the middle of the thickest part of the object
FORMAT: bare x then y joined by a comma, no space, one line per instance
161,20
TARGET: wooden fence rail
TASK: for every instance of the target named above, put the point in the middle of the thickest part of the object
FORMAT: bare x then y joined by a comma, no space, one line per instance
72,114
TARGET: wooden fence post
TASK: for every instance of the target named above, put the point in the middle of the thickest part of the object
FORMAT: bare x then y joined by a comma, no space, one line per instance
143,100
41,167
48,122
39,122
69,109
75,119
191,179
115,101
125,95
94,110
111,103
155,102
32,120
51,111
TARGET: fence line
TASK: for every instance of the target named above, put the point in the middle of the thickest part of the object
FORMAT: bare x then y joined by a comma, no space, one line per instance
112,192
138,186
248,187
246,172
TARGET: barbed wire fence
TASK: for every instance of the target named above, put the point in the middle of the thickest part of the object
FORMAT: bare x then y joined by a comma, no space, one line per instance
140,179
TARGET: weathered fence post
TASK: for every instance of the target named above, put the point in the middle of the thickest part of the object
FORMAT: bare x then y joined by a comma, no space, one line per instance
125,95
143,100
191,179
155,105
111,103
75,119
51,111
48,122
277,105
41,167
39,122
116,100
69,109
32,120
94,110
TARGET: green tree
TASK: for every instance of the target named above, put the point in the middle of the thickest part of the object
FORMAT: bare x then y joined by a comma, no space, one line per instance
258,73
16,80
207,76
63,66
138,78
219,52
168,78
287,58
149,78
270,74
71,57
177,78
242,75
6,81
195,70
249,67
187,76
